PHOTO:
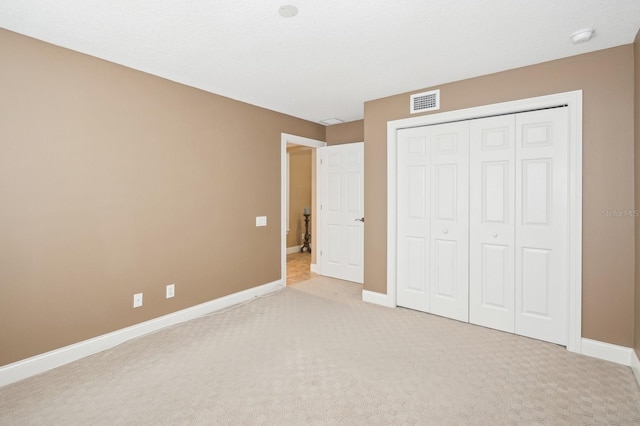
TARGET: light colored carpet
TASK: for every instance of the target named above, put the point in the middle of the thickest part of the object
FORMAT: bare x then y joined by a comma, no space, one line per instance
315,354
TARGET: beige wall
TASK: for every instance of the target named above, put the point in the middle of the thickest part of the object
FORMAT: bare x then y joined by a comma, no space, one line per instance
299,193
114,182
636,56
606,78
352,131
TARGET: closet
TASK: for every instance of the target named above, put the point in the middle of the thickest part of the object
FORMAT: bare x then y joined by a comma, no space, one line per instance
482,225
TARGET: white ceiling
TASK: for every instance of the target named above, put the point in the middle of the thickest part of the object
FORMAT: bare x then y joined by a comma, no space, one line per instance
334,55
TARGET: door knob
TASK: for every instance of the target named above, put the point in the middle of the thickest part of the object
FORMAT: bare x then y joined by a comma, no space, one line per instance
495,235
360,220
446,231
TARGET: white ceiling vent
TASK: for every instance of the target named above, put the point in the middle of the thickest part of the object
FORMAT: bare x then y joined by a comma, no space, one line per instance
426,101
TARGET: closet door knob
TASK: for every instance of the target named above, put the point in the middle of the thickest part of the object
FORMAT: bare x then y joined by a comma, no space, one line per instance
495,235
446,231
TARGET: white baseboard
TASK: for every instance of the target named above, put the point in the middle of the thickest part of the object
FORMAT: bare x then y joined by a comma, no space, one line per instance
377,298
635,366
314,268
294,249
593,348
40,363
607,351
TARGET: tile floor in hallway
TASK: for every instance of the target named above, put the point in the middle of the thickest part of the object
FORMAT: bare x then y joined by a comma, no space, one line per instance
298,268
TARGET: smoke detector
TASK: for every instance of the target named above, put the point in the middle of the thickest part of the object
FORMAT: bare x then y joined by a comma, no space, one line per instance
582,36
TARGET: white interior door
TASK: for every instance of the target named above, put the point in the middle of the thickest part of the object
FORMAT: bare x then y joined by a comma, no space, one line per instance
433,219
492,222
341,211
542,182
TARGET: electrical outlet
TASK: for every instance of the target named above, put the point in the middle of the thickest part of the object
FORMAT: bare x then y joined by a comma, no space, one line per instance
137,300
171,291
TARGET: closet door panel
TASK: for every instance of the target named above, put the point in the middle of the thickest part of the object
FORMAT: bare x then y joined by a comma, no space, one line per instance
542,225
492,214
496,278
414,209
449,271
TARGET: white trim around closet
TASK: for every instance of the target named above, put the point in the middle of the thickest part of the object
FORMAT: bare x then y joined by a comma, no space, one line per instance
573,100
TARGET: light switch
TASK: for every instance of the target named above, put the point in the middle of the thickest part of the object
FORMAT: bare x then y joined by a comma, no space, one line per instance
261,221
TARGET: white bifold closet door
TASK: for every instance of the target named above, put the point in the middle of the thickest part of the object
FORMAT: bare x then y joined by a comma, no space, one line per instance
483,222
433,203
518,224
492,223
542,225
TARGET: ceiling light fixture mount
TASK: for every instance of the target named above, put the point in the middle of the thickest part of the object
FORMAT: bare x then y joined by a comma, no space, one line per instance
288,11
331,121
582,36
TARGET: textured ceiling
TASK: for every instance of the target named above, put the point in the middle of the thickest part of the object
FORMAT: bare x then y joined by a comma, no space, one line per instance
334,55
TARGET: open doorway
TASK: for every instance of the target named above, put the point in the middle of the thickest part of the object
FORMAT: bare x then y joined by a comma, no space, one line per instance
298,152
299,172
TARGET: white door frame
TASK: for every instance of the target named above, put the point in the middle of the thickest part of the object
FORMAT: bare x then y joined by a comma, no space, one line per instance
573,100
298,140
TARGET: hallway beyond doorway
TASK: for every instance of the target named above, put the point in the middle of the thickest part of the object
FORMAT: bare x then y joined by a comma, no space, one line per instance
299,268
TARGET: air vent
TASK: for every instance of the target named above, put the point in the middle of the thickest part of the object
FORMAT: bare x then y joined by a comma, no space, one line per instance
427,101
